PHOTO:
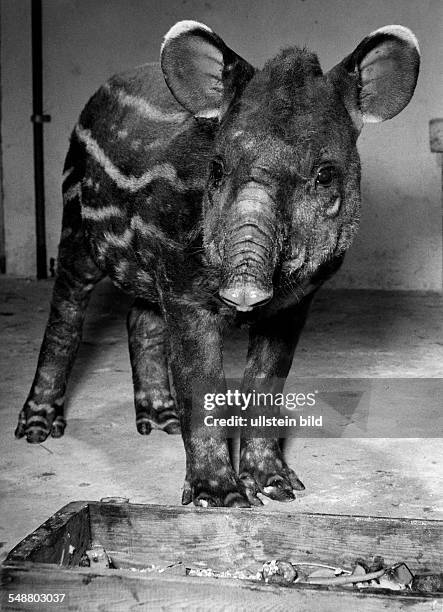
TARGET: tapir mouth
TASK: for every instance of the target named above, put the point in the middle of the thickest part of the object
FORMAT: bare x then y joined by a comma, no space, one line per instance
245,297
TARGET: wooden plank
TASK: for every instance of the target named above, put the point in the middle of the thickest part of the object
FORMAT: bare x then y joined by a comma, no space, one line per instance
244,538
62,539
120,591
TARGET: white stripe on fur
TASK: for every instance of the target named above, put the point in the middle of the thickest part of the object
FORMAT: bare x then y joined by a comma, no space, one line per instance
121,269
66,173
144,276
151,231
130,183
148,110
99,214
75,191
119,240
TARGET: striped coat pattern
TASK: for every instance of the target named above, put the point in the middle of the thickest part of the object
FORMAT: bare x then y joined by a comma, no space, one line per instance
214,194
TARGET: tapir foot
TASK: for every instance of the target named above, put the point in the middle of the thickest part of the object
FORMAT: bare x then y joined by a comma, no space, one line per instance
263,470
157,413
216,487
38,421
228,492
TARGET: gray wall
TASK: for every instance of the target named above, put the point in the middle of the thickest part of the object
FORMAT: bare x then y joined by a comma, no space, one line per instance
400,242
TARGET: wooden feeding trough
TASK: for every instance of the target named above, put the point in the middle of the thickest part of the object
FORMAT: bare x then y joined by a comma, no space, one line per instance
150,548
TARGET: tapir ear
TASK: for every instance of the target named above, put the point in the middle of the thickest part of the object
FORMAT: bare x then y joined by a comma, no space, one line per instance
385,66
203,74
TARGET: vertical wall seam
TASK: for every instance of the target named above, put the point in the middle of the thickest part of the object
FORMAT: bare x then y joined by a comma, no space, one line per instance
38,118
2,208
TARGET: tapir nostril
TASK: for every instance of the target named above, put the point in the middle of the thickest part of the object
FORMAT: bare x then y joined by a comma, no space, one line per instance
245,297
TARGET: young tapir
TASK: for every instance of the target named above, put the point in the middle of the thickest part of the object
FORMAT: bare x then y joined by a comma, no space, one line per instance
214,193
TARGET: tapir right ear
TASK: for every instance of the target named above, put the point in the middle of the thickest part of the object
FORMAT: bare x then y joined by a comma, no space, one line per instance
203,74
384,68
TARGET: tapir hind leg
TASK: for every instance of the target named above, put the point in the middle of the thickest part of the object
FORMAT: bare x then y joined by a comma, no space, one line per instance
154,405
42,413
271,349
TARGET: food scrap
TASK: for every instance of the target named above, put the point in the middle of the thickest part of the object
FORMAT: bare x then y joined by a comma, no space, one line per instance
279,572
396,577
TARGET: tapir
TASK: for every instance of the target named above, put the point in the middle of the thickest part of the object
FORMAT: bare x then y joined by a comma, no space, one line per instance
215,194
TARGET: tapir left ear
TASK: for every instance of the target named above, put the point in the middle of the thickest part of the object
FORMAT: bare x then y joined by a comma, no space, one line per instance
384,68
203,74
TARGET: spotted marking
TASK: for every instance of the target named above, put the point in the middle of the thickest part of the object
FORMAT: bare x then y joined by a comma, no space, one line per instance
156,404
237,133
140,395
45,376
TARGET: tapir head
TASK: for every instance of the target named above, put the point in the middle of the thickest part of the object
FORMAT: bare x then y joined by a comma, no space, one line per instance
283,189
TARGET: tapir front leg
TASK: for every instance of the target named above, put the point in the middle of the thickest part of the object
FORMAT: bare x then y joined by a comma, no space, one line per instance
197,369
154,405
271,349
43,412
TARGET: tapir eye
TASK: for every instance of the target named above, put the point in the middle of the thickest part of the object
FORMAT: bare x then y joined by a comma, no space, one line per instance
217,171
325,176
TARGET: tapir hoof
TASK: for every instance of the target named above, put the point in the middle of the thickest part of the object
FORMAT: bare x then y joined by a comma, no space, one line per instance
37,422
157,414
214,493
263,469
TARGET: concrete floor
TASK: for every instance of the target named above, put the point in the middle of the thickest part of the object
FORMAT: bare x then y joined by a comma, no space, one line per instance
350,334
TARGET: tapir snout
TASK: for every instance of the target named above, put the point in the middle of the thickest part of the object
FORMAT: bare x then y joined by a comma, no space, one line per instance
245,297
250,252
